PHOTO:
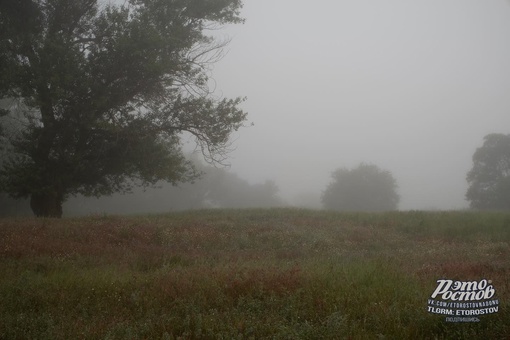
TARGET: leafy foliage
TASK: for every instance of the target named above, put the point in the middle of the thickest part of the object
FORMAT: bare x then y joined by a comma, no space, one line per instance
365,188
489,179
108,90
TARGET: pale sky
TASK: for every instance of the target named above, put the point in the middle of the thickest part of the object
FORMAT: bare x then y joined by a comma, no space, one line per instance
411,86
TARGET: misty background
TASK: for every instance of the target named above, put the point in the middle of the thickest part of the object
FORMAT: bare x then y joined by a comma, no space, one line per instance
412,87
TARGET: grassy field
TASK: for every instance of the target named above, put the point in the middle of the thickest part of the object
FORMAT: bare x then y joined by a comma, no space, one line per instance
240,274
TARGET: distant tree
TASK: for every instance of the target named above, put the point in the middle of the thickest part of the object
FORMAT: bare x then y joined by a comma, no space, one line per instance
216,188
12,207
106,90
365,188
489,179
8,125
227,190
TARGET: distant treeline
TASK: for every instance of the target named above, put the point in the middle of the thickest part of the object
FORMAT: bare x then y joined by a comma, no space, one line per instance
217,188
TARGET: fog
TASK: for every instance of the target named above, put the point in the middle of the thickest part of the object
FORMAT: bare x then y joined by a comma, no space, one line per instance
411,86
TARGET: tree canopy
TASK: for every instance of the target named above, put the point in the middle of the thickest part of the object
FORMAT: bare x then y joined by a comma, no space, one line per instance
105,92
364,188
489,179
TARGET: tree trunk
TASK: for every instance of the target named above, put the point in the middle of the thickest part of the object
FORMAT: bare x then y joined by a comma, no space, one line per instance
47,204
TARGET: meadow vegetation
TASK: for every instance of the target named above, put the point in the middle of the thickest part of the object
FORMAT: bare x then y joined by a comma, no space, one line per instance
268,273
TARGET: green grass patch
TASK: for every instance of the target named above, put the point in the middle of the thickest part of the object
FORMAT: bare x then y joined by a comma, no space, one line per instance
224,274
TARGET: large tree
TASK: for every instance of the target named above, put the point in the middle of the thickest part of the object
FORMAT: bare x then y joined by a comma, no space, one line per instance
106,91
365,188
489,179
